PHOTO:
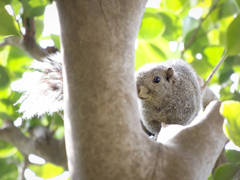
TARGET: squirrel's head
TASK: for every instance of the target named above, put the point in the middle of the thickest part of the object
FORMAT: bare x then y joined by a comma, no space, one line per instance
154,81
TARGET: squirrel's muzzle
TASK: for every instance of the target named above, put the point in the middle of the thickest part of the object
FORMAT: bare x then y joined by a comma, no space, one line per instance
142,92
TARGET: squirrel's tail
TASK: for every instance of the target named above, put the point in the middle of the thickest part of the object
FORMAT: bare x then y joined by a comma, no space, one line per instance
43,88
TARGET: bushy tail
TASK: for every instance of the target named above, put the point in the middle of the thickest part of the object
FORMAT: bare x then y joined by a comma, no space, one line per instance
43,88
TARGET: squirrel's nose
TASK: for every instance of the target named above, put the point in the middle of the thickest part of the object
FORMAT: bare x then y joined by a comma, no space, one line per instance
142,92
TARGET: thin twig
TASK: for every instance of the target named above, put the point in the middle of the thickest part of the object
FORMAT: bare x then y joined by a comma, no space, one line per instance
214,71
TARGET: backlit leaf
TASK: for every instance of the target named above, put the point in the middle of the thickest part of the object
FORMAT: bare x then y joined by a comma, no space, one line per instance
8,24
231,126
233,37
152,26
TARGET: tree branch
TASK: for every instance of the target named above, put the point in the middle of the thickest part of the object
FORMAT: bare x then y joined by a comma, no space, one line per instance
190,152
50,149
28,43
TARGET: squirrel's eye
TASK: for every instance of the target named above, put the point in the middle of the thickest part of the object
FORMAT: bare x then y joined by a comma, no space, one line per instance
156,79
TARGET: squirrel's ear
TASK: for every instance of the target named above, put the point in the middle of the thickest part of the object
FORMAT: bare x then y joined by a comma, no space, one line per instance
169,74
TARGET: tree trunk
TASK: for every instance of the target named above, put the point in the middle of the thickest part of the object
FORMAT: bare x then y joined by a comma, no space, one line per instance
102,124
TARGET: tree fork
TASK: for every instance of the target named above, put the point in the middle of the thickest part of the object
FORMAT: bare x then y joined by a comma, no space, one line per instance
104,139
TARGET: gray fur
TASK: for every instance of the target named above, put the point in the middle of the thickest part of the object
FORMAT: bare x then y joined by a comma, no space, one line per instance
176,99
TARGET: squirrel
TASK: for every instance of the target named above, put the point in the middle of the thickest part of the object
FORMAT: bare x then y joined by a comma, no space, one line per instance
168,92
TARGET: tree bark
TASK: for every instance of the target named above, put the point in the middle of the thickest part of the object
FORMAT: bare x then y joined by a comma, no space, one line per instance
104,139
101,120
190,152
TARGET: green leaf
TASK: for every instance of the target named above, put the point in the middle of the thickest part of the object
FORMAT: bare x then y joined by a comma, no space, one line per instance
5,2
55,118
4,79
210,177
176,5
224,9
9,26
231,127
18,60
39,26
47,170
152,26
197,43
226,172
232,62
233,156
193,3
4,55
189,24
4,116
225,94
34,8
213,36
6,149
233,37
59,133
238,3
16,5
56,40
8,171
213,54
173,26
31,123
7,110
202,67
228,8
223,30
225,74
163,44
148,53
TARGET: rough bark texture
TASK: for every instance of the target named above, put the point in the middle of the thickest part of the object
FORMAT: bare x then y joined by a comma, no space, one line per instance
104,139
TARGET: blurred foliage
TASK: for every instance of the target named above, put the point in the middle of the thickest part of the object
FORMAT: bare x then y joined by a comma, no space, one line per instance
47,170
13,63
167,32
231,126
226,171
